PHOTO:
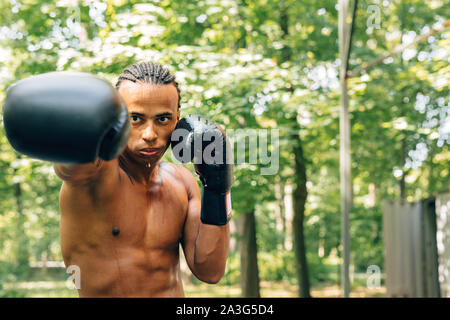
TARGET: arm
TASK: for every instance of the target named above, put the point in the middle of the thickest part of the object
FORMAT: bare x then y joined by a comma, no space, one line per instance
86,172
207,233
72,120
205,246
99,180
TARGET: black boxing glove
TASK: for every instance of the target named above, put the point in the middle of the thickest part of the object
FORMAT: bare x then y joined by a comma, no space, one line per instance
203,142
66,117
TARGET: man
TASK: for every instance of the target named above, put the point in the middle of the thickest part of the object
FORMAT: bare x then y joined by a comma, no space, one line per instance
123,217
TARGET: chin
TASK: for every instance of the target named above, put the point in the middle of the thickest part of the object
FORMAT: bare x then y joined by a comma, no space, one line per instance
145,160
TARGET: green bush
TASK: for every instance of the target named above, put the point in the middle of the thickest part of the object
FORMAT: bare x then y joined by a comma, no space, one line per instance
233,270
276,266
321,270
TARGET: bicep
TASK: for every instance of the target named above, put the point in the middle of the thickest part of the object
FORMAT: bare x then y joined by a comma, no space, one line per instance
192,223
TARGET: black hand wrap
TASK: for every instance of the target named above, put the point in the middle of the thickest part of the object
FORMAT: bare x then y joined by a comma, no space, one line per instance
66,117
196,139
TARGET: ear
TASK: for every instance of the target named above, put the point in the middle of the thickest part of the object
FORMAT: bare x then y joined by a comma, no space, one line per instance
178,115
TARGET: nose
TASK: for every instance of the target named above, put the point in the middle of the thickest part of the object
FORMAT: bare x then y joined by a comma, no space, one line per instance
149,135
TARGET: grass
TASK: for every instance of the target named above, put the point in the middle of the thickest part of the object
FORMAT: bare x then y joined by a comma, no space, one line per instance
54,283
33,289
38,289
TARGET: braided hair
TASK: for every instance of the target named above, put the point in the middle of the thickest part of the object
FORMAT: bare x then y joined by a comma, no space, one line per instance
148,72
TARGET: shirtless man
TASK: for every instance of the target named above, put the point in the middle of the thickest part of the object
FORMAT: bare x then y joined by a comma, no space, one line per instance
124,212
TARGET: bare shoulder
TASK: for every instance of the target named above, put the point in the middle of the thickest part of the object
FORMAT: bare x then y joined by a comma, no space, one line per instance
183,175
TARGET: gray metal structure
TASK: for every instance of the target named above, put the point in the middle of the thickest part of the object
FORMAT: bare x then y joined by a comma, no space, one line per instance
417,247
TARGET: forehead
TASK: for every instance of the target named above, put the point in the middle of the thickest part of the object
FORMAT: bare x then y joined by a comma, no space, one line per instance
148,96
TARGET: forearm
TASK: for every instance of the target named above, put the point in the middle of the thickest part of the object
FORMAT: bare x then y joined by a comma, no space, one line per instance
211,252
78,172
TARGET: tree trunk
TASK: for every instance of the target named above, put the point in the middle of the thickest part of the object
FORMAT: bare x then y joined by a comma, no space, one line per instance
247,226
431,180
289,209
249,257
280,217
22,256
300,195
403,105
404,173
300,192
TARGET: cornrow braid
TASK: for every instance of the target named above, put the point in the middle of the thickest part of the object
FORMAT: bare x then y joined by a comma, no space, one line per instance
148,72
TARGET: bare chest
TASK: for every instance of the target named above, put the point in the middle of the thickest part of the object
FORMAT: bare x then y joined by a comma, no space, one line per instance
133,217
151,216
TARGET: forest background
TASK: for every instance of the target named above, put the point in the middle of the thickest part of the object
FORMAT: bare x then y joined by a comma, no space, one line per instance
267,66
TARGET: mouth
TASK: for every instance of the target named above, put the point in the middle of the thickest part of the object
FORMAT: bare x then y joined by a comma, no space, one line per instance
149,152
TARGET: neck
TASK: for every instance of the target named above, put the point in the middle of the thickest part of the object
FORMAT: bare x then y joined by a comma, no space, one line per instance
143,172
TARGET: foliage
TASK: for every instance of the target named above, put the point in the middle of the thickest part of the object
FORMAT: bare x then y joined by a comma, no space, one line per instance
237,65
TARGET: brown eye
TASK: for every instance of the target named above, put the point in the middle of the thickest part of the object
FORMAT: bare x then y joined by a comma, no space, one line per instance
163,120
134,119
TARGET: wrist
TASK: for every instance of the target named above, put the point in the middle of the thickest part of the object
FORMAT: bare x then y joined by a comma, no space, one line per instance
216,207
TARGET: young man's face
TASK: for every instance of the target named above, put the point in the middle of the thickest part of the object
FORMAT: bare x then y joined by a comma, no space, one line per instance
153,111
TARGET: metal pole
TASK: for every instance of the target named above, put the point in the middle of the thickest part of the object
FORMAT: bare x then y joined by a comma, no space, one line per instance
344,133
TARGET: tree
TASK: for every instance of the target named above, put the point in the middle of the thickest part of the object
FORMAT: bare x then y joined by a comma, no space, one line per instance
249,257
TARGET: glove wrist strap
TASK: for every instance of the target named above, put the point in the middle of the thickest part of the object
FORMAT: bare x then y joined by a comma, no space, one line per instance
216,207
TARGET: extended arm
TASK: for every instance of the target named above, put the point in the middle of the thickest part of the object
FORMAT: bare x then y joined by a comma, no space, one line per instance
78,172
71,119
86,172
